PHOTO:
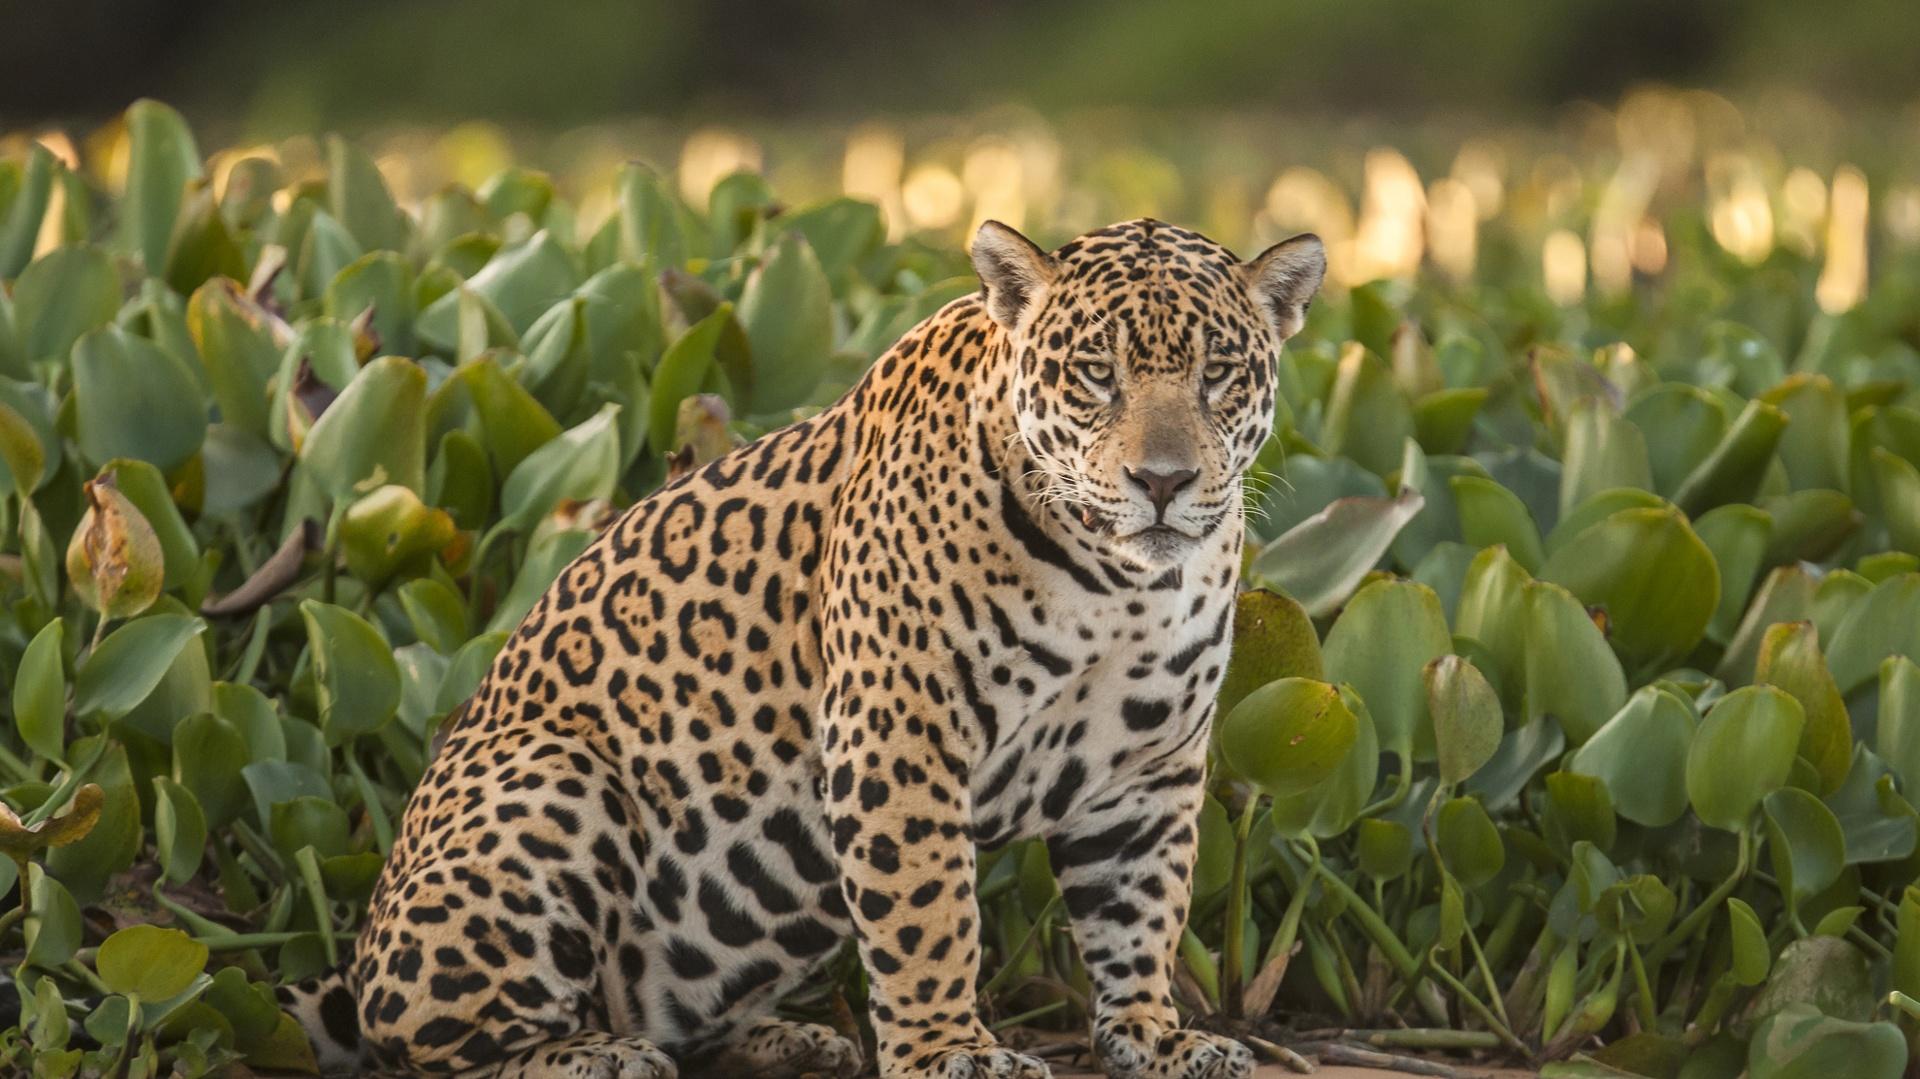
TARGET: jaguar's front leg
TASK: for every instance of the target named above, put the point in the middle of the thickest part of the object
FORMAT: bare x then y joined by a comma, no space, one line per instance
1125,871
902,833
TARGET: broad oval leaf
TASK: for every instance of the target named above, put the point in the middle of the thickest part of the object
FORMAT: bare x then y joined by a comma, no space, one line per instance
1657,582
119,674
149,962
356,683
1272,638
1466,717
373,433
1468,842
1288,735
1379,645
787,312
1320,560
1641,755
1743,750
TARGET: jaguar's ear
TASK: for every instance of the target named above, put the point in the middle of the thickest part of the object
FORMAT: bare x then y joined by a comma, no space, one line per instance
1284,278
1014,270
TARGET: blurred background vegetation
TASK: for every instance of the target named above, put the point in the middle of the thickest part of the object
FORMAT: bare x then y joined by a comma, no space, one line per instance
277,68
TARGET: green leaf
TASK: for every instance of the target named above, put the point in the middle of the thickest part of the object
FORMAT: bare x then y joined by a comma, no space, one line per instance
437,613
787,312
1899,484
650,230
161,158
1320,560
1786,595
372,434
1806,844
1808,525
273,782
1752,955
1681,424
23,450
1743,751
1597,509
179,830
1815,445
1368,416
1604,451
1213,860
119,674
306,821
1640,754
1493,613
513,421
53,929
683,369
149,962
1904,972
1383,849
40,693
521,283
133,399
1799,1042
1737,536
1288,735
380,282
1571,672
201,246
1886,623
1329,808
1468,842
1380,645
1790,659
1466,717
582,464
1272,638
114,841
357,196
1732,472
64,294
1897,732
1656,581
389,530
356,684
20,219
548,555
1580,811
1491,515
208,754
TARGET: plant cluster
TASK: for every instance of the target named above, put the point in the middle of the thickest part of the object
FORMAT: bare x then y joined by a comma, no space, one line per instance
1573,714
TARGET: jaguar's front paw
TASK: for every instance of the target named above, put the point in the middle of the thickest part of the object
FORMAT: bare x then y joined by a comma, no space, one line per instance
1175,1054
984,1060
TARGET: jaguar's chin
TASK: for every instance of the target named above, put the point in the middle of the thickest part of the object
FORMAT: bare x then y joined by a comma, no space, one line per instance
1157,547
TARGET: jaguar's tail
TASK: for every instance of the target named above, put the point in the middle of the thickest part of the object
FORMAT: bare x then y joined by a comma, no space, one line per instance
324,1005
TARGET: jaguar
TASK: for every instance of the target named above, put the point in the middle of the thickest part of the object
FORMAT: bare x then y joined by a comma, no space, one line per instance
787,698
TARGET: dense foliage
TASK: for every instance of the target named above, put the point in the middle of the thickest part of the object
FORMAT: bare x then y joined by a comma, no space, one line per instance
1573,709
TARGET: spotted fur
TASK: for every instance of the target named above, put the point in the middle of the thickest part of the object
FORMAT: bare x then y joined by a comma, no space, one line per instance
987,595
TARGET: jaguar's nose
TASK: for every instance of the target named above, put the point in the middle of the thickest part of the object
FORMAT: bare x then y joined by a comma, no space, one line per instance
1161,486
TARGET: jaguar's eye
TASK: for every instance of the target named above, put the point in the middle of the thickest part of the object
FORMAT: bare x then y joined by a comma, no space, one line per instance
1216,373
1096,372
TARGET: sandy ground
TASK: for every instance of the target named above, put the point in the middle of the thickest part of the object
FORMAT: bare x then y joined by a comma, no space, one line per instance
1331,1071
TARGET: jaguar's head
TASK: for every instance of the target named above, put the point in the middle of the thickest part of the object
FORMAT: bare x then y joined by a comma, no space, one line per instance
1144,371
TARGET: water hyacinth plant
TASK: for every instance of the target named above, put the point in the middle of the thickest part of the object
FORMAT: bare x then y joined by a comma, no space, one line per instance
1573,716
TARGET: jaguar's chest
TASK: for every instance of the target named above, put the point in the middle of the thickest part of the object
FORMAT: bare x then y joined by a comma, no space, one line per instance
1073,696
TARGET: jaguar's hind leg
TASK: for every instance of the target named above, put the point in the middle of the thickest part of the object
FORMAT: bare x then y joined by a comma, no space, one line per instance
589,1054
782,1049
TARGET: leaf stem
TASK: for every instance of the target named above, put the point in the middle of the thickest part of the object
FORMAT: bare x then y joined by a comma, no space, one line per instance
1698,916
